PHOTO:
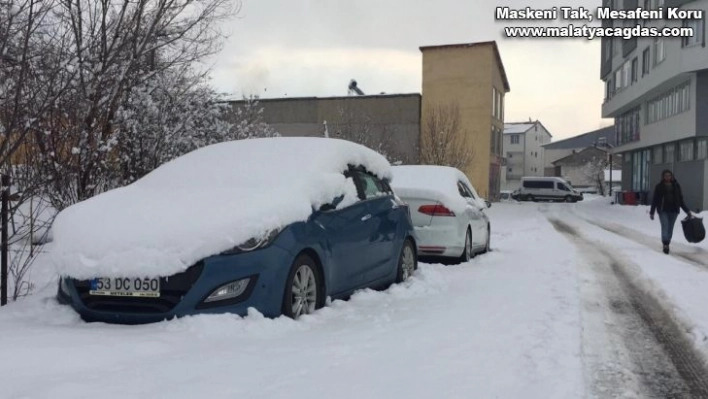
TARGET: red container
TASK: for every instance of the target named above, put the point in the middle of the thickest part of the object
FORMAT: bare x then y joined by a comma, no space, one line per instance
630,198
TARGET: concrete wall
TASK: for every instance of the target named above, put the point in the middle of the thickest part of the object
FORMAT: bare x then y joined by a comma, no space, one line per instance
551,156
515,159
576,176
389,121
536,137
465,76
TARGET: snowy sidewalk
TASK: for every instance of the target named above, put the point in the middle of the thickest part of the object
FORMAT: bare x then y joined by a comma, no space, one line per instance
505,325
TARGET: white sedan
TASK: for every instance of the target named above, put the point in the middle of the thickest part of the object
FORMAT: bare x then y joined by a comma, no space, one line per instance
447,213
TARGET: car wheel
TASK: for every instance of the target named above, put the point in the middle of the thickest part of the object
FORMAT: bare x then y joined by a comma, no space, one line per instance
467,252
568,198
303,288
407,262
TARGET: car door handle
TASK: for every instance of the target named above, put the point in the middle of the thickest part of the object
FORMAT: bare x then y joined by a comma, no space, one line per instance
365,217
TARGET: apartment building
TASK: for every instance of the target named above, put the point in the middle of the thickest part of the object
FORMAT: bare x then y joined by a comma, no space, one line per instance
472,76
523,147
656,89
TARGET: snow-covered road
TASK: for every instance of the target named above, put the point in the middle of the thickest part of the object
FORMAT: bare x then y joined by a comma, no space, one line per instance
547,314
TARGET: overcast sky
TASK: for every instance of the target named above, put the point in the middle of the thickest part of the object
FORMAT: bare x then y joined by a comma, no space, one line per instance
299,48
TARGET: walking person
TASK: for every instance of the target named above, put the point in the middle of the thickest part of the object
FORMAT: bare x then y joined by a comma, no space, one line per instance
668,202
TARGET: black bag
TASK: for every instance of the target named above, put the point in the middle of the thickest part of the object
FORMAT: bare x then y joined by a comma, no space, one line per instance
693,229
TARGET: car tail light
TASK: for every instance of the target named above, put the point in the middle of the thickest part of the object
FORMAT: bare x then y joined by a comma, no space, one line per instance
436,210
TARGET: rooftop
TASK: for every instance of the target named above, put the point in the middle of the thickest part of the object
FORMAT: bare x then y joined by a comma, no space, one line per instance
605,134
517,127
523,127
476,44
352,97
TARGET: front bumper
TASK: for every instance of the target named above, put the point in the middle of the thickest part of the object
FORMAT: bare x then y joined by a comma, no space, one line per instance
183,294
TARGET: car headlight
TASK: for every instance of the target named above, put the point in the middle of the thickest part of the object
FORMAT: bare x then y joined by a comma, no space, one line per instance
254,243
231,290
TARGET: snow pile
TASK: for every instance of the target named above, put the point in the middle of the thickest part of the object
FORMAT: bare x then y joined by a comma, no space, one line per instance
434,182
505,325
204,203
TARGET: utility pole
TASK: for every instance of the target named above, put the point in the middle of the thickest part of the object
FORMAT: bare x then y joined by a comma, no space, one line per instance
5,180
609,156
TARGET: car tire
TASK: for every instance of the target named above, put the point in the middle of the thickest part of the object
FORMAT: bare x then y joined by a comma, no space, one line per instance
407,262
487,246
568,198
304,291
467,251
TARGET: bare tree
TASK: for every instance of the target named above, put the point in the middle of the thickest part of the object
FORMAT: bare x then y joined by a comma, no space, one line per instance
113,47
360,128
594,170
32,75
443,138
246,121
33,81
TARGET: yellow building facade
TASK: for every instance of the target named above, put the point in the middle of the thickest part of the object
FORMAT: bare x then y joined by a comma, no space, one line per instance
472,78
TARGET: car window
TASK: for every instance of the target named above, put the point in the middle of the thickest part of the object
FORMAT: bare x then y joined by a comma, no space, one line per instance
463,190
563,187
472,193
371,186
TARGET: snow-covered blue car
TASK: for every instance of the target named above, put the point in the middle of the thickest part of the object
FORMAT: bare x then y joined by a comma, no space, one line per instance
274,224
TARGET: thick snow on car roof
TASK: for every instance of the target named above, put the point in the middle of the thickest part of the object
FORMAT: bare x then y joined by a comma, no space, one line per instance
204,203
432,182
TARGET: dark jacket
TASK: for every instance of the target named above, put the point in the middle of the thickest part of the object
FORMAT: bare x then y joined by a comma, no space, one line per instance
658,200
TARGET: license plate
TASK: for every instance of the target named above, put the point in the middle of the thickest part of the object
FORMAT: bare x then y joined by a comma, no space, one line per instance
117,286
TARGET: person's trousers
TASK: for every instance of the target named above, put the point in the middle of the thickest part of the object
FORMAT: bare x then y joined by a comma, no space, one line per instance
668,220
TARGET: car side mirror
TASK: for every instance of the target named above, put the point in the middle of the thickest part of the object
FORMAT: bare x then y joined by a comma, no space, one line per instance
327,207
332,205
489,204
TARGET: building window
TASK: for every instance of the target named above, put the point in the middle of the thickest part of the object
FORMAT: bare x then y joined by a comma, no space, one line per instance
669,103
686,151
697,38
494,102
626,74
618,80
627,127
509,170
635,69
608,48
493,141
497,104
514,139
608,88
702,148
658,154
501,107
659,51
646,60
616,45
670,153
